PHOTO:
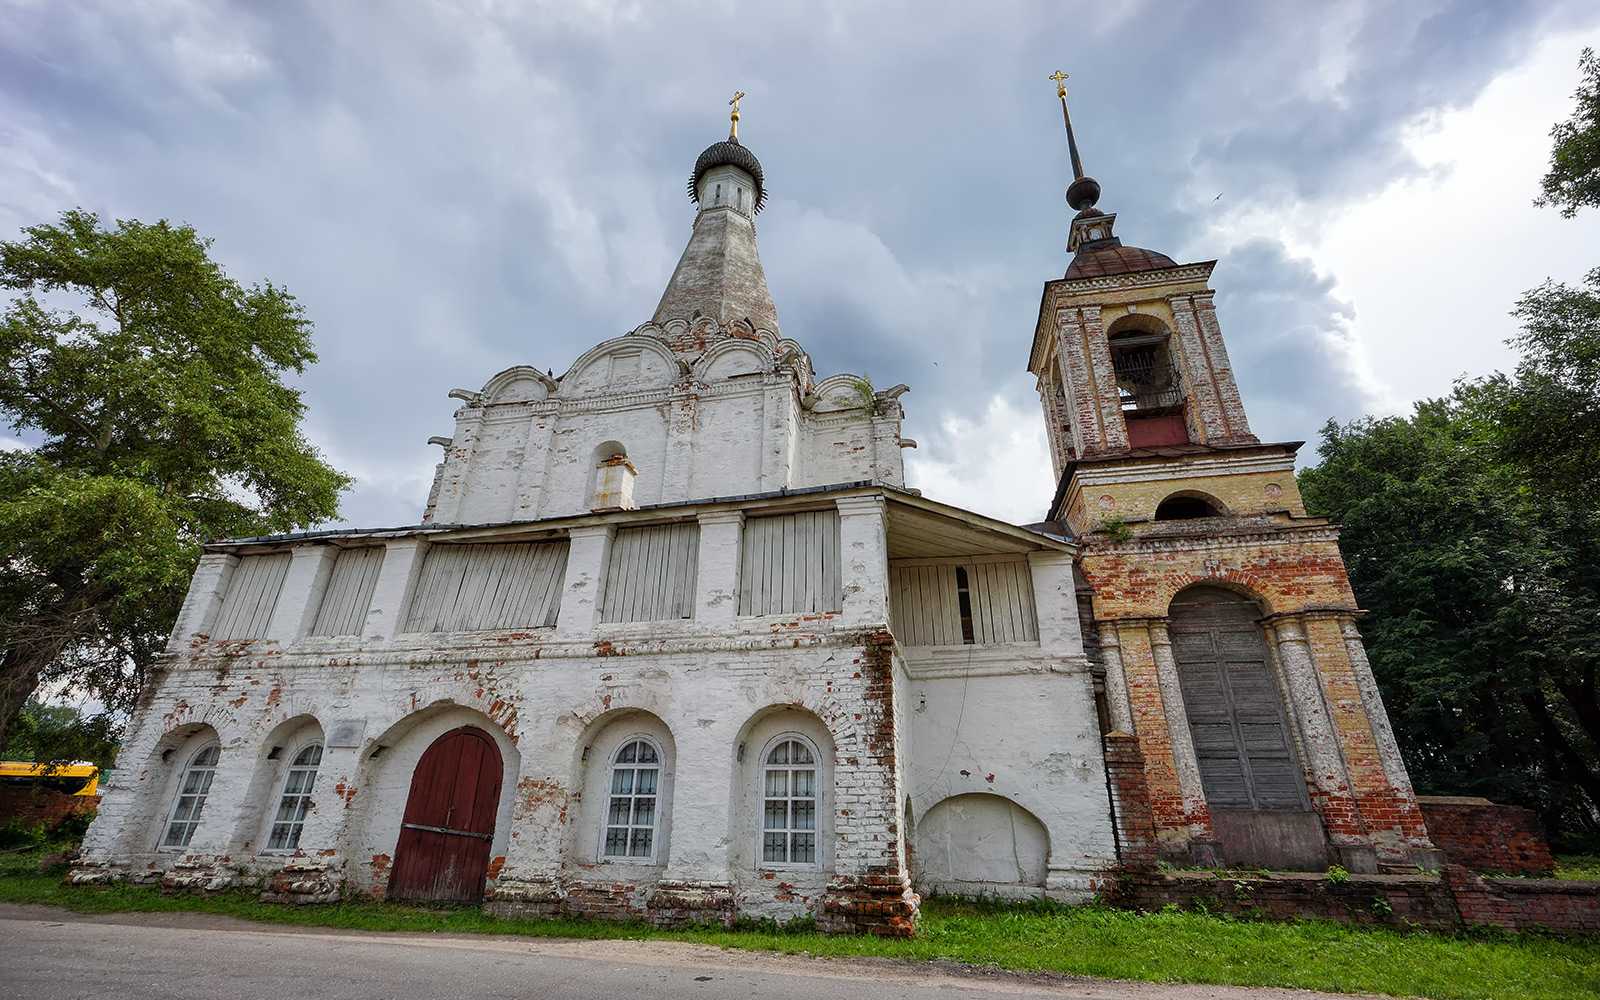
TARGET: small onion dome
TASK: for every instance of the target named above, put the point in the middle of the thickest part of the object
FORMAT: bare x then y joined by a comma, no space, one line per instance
728,152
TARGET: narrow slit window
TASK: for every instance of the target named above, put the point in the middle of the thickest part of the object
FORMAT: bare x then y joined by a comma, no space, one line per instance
630,831
789,804
193,788
964,601
295,802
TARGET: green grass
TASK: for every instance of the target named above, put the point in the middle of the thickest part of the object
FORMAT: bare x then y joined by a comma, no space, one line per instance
1578,866
1087,941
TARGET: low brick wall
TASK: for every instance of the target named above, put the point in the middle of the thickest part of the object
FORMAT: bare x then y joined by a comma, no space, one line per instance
1457,900
30,804
1487,837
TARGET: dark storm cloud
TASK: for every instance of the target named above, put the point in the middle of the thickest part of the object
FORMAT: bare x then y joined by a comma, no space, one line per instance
452,189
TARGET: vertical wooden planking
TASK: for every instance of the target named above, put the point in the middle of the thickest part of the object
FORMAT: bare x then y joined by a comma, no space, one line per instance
349,592
251,597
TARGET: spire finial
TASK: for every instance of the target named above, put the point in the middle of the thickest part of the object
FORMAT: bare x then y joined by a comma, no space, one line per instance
1084,190
733,116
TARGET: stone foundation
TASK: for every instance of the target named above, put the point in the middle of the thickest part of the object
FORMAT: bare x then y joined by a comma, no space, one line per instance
870,904
1457,900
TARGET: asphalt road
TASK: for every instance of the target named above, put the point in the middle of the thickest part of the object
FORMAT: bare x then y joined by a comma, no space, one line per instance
48,954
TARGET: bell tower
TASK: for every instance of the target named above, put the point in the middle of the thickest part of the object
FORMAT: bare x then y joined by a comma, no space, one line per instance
1227,643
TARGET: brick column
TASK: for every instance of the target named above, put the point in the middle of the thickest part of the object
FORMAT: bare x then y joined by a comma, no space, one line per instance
864,561
1329,779
1077,381
1408,813
531,476
304,583
204,599
716,586
1233,417
1055,596
1204,414
586,572
1130,801
1114,426
397,577
1116,682
1150,725
1184,762
457,465
870,888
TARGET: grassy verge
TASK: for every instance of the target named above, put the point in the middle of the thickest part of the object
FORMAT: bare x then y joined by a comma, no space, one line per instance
1087,941
1578,866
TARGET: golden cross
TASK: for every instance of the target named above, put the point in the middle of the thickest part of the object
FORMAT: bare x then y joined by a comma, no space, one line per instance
1061,83
733,117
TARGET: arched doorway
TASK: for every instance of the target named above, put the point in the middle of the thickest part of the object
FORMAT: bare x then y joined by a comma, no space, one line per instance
445,835
1254,785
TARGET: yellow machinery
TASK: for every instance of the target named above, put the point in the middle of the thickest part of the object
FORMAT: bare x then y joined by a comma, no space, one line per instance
75,778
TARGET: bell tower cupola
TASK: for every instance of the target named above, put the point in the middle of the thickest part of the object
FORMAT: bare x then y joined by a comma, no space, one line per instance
1130,358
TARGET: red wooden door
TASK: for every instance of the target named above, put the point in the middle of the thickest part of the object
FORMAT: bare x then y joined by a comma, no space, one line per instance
443,853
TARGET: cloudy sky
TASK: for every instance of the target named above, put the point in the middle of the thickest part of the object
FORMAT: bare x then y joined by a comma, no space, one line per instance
453,188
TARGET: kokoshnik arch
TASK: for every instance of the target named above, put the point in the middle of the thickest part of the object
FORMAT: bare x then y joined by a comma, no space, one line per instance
673,639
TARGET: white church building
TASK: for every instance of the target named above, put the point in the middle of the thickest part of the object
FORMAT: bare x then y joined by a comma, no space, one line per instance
672,641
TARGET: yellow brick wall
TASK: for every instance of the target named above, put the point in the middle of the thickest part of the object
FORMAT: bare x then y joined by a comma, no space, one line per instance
1090,507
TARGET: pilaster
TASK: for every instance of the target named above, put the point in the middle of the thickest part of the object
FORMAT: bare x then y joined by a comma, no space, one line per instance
1204,415
304,583
397,577
1055,596
1117,705
1236,424
716,587
1328,776
1184,760
586,572
204,599
864,561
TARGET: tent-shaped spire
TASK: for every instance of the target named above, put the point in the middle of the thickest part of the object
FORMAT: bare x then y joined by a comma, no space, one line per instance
719,274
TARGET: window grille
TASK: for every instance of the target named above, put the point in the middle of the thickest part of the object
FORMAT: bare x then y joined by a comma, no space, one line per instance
630,830
193,787
1146,377
296,799
789,804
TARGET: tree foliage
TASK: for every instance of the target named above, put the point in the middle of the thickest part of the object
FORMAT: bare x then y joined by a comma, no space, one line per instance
1573,180
1472,535
151,387
44,733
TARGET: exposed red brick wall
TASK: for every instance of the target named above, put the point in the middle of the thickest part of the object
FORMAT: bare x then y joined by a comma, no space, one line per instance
1130,801
1459,899
31,805
1486,837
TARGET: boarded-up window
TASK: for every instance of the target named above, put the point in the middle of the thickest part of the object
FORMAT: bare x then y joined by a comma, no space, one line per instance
349,595
252,594
465,588
650,574
790,564
954,603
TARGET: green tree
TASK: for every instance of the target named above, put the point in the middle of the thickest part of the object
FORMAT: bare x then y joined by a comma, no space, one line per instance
152,384
43,733
1573,181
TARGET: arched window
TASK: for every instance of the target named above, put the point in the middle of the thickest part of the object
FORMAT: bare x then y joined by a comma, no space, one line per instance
630,830
1183,506
295,801
789,803
193,787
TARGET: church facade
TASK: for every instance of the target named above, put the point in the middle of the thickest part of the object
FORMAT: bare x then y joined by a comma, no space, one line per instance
673,640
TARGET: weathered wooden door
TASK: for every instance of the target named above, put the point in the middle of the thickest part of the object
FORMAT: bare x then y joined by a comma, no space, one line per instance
443,853
1254,785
